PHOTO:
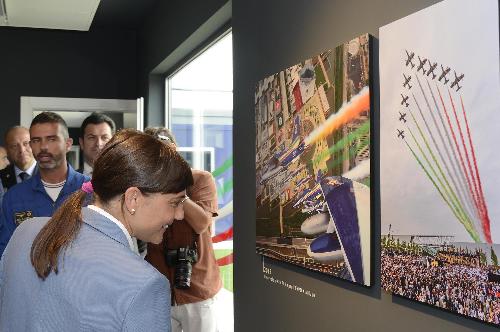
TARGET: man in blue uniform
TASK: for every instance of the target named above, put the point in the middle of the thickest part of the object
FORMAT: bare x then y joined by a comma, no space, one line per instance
55,180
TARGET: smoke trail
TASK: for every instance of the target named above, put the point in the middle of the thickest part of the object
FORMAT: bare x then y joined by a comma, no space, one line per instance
461,186
449,191
464,170
352,153
486,219
470,230
457,210
454,189
478,200
342,143
362,170
358,104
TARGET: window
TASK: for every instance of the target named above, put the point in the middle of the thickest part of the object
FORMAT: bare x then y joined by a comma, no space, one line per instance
200,115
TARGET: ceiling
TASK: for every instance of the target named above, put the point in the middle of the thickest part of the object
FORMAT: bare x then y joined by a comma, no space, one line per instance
81,15
122,13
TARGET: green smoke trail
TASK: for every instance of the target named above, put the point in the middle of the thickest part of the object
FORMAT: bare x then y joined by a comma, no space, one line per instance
224,167
341,144
456,191
472,232
228,185
450,199
352,153
450,192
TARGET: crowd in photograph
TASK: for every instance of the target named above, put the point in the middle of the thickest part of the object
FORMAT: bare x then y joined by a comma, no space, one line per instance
459,288
472,259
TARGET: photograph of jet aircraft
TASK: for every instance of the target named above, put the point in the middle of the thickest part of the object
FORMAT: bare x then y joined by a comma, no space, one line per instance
439,183
313,163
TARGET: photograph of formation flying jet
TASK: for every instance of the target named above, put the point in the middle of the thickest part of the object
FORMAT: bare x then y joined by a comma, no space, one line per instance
404,100
406,83
456,80
431,69
444,72
401,133
402,117
409,59
421,65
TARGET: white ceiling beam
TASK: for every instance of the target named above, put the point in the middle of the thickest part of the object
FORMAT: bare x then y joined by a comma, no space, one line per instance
51,14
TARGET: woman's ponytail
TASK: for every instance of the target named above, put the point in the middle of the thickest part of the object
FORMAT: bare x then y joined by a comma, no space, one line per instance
60,231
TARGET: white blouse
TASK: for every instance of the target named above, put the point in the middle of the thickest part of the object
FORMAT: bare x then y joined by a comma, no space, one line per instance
131,241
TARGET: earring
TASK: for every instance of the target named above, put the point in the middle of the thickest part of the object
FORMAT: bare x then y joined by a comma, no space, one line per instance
132,211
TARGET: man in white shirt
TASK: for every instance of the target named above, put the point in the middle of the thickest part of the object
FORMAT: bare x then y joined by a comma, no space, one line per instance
17,141
96,130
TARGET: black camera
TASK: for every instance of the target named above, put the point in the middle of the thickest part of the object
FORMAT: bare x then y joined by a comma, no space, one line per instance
182,259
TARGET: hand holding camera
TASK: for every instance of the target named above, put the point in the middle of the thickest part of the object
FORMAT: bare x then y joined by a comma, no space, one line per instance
182,259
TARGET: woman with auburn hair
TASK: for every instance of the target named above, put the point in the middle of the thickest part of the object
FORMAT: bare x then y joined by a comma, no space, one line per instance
80,270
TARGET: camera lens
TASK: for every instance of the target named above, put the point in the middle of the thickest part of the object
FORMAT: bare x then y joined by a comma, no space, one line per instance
183,271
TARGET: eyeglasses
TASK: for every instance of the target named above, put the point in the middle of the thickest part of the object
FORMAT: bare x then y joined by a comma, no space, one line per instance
164,138
175,205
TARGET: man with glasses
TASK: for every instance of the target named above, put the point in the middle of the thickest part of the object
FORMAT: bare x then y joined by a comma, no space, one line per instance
17,142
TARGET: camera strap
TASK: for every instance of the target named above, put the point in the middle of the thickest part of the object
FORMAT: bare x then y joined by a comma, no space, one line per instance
195,240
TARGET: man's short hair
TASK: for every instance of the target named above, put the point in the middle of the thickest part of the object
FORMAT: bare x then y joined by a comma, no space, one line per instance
11,129
97,118
161,133
51,117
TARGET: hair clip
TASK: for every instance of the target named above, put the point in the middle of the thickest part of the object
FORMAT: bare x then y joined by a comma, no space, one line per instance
87,187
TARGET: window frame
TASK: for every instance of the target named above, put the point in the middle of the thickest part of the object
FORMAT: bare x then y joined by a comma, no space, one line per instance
185,62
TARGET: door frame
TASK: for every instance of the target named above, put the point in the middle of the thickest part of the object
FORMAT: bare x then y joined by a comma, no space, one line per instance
132,109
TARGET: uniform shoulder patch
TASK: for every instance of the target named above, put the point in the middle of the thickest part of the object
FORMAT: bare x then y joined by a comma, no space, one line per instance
19,217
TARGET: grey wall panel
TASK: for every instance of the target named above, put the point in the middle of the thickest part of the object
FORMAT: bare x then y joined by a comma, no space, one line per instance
269,36
165,29
169,24
55,63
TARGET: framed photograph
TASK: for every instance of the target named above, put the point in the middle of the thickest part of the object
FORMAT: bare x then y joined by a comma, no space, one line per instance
439,105
313,150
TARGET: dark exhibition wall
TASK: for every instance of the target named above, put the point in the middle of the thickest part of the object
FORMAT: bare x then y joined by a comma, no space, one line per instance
54,63
173,31
269,36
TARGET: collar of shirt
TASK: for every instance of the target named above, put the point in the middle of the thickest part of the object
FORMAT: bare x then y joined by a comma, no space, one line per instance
87,169
131,241
30,171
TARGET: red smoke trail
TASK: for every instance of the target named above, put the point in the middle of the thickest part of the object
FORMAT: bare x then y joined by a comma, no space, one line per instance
459,153
223,236
485,219
480,205
226,260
